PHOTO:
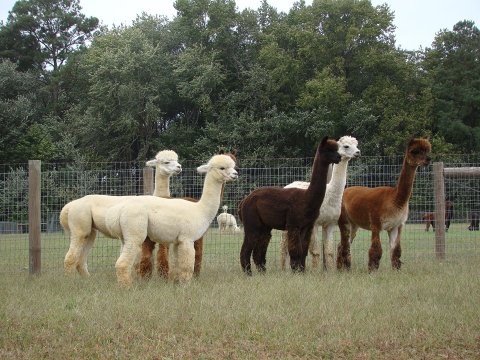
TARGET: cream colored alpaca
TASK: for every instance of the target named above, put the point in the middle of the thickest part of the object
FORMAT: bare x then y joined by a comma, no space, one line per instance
227,221
330,208
175,221
165,164
85,216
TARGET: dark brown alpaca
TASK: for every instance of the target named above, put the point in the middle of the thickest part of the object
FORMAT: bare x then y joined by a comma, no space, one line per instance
474,220
148,246
291,209
429,217
380,208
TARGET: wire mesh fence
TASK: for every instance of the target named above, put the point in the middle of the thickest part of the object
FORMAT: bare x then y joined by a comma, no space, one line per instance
61,183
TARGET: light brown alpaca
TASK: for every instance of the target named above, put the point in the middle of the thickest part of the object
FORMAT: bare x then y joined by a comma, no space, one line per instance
380,208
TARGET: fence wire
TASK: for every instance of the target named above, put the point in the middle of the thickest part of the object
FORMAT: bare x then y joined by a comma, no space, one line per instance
61,183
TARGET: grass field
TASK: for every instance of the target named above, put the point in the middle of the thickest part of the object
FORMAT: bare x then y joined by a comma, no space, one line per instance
428,310
222,250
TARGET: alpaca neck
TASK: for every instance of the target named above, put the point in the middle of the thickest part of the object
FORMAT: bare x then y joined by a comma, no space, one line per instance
162,185
405,184
339,177
316,190
210,199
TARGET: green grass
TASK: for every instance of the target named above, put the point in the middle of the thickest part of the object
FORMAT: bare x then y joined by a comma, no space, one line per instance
222,250
428,310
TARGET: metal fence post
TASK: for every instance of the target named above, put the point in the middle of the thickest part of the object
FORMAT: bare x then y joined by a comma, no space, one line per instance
439,195
34,216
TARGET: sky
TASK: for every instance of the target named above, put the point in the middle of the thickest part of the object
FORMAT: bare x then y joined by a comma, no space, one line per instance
416,21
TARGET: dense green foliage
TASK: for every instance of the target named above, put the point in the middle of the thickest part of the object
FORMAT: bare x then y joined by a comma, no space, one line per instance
269,84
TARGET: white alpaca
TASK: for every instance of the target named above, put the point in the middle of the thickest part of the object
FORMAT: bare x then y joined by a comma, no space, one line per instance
175,221
165,164
85,216
227,221
330,208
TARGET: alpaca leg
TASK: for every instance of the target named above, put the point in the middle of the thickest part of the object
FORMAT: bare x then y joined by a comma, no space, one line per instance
314,247
131,249
375,252
328,260
283,250
162,260
395,248
82,267
297,249
184,262
344,260
260,251
78,240
198,246
246,251
145,266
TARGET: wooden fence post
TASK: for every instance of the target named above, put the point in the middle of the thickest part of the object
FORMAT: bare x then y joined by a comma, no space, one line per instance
148,184
34,216
439,194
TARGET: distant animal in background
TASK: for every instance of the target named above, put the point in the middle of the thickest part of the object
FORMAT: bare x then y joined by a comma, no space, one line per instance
227,222
474,220
429,217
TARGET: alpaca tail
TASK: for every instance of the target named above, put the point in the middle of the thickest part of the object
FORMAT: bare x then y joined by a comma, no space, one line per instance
64,217
239,210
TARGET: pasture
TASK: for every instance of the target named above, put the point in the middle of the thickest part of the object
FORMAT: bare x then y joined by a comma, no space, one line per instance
429,309
221,250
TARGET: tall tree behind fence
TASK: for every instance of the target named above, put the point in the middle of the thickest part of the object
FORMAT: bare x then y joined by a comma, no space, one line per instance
33,194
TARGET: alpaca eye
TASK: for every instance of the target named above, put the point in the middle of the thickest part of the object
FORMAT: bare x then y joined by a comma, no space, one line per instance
166,162
346,146
222,168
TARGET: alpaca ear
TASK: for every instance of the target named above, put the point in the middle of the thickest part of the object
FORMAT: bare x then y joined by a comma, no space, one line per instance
324,140
152,163
203,169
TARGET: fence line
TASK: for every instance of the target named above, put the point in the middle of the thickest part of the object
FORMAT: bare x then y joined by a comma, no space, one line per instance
24,210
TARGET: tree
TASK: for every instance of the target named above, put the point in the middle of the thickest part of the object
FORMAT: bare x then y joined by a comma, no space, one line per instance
20,107
453,66
129,89
42,33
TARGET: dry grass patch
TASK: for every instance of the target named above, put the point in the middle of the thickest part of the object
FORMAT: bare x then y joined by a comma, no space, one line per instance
427,310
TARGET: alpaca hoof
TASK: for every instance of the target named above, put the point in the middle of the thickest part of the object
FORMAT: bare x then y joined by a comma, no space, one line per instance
315,260
296,268
344,263
181,277
144,269
262,269
247,269
396,264
247,272
373,266
163,272
329,262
